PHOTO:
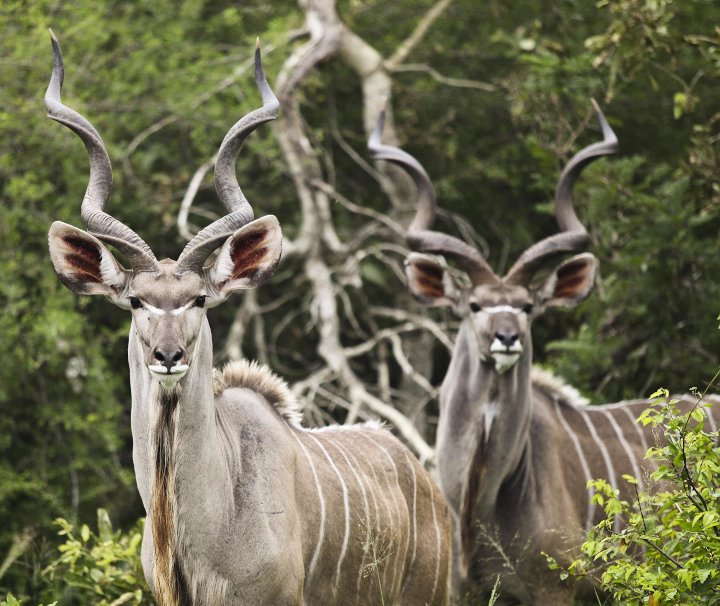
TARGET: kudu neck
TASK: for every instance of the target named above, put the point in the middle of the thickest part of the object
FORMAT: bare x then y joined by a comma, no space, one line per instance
484,420
195,407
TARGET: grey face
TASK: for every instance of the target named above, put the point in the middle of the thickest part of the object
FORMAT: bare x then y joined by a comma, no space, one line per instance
167,298
168,311
500,317
500,312
168,302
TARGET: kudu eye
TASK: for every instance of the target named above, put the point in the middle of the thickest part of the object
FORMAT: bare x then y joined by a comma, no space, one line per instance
200,301
527,308
135,303
474,307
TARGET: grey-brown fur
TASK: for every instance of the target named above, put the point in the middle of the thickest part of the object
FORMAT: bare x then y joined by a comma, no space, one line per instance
515,451
388,556
243,506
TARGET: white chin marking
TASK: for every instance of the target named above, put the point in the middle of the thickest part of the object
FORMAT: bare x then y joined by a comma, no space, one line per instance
505,361
168,379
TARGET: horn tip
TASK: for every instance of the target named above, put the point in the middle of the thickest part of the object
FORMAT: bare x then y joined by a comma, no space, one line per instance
54,42
258,59
608,133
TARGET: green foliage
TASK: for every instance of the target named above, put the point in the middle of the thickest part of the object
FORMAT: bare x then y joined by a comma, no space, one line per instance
676,528
101,568
652,210
162,81
10,600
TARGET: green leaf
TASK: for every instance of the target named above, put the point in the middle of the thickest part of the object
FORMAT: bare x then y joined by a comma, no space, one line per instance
680,100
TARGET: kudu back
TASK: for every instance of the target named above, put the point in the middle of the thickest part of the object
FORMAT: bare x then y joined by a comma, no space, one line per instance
515,445
244,506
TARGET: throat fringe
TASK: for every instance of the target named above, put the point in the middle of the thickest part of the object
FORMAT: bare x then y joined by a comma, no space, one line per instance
169,577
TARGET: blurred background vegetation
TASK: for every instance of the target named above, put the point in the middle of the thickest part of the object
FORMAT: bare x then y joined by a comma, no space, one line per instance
493,100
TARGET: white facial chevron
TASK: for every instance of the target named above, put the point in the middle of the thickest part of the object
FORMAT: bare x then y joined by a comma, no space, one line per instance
168,312
496,309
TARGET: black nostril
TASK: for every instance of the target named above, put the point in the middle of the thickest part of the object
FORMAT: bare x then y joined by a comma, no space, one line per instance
506,338
168,357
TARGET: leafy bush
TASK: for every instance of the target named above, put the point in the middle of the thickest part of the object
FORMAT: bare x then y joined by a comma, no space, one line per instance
103,569
676,528
10,600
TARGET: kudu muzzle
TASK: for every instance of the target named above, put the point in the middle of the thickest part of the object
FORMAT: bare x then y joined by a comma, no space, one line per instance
503,330
169,357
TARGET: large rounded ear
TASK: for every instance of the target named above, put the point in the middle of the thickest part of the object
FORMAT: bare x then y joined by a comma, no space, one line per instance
248,257
430,281
84,264
570,283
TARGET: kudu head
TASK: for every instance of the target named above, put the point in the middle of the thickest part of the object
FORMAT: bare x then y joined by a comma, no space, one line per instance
499,308
168,299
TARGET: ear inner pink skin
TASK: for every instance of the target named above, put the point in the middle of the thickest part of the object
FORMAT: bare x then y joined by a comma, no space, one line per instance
247,254
428,280
86,260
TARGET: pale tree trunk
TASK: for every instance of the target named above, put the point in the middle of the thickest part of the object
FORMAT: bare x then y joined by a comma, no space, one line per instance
329,39
351,333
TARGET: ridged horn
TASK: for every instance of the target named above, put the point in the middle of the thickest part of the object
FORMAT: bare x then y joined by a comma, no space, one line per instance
99,223
573,236
238,208
419,235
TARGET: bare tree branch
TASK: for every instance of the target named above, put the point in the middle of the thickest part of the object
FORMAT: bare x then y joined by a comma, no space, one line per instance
322,22
317,245
435,75
416,320
189,197
236,334
407,368
418,33
356,208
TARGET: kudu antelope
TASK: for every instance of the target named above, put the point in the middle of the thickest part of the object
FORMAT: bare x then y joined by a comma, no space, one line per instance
244,506
515,446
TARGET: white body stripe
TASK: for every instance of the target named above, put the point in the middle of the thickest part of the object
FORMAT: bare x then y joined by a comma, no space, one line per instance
626,446
414,510
606,457
583,462
371,490
346,505
321,534
641,433
397,507
366,508
437,537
